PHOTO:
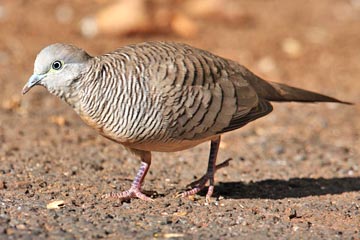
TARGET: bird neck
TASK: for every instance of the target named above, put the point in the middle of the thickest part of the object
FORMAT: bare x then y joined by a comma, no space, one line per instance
70,93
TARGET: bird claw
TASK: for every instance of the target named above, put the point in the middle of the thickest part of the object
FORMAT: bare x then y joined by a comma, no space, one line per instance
199,184
209,194
128,194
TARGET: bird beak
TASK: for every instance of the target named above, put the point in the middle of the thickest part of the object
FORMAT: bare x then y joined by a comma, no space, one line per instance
33,80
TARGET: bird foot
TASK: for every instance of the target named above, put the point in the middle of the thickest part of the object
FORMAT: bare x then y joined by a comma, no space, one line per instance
198,185
133,192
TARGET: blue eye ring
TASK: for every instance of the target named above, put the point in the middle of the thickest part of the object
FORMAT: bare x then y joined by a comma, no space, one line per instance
57,65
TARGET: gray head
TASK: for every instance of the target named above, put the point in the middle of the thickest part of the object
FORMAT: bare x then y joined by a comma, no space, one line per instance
57,66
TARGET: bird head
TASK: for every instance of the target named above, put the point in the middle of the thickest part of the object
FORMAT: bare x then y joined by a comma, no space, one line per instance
57,66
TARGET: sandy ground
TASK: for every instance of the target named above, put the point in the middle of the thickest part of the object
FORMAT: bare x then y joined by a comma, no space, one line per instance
295,173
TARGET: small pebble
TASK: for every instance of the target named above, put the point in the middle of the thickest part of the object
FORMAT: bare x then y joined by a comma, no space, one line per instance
300,157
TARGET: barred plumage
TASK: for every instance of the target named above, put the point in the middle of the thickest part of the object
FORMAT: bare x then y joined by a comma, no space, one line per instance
160,96
157,95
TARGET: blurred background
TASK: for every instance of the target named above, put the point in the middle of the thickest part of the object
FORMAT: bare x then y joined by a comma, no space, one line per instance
310,44
304,42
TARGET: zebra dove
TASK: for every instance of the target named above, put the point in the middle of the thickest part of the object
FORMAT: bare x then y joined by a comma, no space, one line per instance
160,96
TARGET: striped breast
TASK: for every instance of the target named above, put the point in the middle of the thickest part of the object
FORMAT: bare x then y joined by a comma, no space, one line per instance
163,96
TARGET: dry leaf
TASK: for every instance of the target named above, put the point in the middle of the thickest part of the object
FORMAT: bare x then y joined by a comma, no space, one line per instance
58,120
55,204
169,235
13,103
180,214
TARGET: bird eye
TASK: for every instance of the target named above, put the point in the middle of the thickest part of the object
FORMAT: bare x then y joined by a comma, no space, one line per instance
57,65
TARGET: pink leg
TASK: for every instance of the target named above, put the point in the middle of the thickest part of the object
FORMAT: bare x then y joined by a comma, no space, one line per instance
198,185
135,189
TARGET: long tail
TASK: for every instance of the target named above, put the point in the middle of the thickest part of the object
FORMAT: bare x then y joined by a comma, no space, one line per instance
272,91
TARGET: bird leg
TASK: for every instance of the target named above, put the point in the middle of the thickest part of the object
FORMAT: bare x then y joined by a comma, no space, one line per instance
204,178
135,189
198,185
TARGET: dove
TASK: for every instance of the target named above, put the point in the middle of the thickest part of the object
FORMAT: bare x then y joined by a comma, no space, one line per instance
160,96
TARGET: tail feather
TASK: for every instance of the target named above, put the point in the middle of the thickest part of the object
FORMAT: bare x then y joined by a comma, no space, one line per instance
279,92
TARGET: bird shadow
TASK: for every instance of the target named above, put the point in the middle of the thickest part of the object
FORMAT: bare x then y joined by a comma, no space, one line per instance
280,189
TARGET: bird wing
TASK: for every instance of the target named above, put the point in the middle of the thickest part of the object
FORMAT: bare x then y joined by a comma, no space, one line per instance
203,95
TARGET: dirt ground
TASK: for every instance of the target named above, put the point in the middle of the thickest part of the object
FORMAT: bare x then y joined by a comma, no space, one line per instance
295,173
